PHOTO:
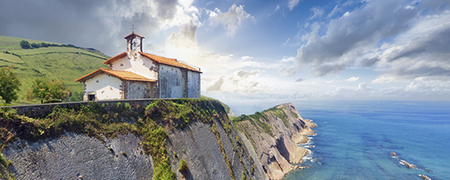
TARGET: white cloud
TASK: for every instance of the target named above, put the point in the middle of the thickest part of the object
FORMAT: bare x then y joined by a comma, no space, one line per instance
292,4
288,59
419,53
318,12
239,82
276,10
287,71
230,20
352,79
361,86
335,10
352,35
286,42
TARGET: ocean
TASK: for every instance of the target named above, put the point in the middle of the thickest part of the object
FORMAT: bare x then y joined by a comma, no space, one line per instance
355,139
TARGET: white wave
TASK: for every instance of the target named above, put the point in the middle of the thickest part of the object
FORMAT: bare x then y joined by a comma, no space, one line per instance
309,157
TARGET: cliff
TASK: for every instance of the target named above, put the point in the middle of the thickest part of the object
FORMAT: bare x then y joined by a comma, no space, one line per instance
273,135
163,139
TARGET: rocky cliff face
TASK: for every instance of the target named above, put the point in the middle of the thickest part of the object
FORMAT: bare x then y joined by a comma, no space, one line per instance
76,156
274,136
123,141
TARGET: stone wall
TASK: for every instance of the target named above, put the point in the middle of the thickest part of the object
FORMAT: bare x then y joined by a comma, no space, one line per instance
42,110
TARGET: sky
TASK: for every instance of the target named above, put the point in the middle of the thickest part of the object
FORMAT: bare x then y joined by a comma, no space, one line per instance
257,53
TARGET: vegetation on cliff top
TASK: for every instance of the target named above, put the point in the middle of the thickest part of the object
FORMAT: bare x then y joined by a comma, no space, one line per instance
260,119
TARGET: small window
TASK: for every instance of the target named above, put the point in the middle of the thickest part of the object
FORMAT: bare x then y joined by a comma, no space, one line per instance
91,97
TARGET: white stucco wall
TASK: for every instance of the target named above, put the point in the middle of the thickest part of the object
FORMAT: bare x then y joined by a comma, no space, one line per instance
138,64
104,86
145,67
193,84
170,82
122,64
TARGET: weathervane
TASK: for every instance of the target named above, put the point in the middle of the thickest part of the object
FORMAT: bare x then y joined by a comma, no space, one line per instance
132,28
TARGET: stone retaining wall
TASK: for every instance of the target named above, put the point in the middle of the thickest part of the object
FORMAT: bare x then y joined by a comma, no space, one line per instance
42,110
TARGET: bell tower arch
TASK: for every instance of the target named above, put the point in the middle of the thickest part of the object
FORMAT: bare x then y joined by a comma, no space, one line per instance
134,42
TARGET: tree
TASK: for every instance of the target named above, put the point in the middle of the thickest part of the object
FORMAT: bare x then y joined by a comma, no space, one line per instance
25,44
76,96
9,85
43,89
43,44
34,45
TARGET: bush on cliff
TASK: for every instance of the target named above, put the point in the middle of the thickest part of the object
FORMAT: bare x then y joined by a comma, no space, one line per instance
154,143
182,166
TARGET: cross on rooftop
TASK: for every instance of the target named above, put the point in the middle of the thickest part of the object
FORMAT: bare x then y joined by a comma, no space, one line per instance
132,28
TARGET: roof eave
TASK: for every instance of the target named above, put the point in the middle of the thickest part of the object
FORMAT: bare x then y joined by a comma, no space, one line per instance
110,60
82,79
132,35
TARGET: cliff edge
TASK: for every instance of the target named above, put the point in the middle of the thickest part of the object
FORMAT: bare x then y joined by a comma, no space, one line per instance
274,135
158,139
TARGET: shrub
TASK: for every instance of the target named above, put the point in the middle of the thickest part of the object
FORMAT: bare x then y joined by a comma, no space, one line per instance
127,106
2,160
182,167
8,163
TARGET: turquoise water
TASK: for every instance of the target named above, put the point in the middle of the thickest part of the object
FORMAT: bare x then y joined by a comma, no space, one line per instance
354,140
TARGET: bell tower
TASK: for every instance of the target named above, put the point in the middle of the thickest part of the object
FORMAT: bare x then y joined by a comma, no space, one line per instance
134,42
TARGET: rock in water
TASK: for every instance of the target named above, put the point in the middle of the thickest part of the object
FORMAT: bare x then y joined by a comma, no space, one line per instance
424,177
393,154
411,166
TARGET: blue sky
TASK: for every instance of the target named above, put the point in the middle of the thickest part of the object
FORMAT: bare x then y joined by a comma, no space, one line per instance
253,52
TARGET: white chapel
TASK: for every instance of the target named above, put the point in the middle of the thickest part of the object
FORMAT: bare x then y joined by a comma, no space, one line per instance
137,75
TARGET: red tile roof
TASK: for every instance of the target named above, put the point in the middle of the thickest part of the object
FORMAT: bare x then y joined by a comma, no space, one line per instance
159,59
169,61
110,60
133,34
124,75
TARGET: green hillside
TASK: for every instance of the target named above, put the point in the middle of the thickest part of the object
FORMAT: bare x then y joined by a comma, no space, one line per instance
59,62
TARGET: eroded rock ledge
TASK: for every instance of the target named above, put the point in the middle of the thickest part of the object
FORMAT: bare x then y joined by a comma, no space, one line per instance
273,135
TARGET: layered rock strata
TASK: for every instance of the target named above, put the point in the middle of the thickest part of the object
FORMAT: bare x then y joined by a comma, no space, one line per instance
274,136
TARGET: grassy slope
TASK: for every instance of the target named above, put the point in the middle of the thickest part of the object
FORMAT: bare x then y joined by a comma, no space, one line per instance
60,63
